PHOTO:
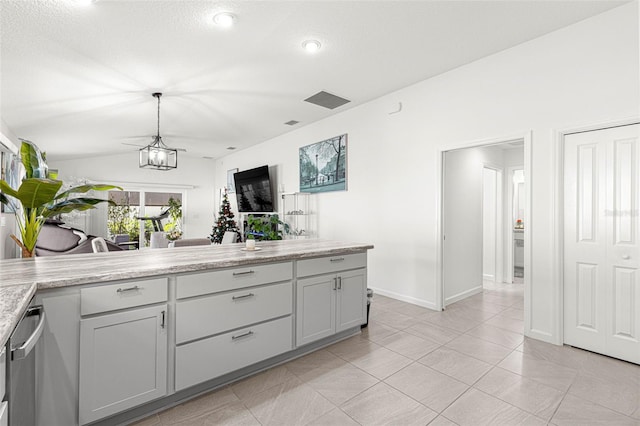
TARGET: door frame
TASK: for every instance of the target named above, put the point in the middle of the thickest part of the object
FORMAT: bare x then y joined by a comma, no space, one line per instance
558,228
440,153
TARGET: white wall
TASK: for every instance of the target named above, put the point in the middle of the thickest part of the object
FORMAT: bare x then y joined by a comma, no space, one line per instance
199,203
8,248
583,74
8,138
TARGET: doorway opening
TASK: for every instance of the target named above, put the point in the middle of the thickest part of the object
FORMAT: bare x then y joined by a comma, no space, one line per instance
484,213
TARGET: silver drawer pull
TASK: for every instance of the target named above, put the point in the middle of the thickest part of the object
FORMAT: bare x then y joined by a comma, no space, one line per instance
244,296
123,290
235,274
337,259
240,336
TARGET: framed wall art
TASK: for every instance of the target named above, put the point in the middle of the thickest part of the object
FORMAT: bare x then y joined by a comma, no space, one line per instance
323,165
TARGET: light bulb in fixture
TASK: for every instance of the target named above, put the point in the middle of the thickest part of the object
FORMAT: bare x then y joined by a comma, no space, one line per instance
311,46
86,2
224,19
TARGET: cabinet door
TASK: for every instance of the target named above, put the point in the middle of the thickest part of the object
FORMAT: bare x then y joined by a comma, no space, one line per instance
316,308
123,361
351,299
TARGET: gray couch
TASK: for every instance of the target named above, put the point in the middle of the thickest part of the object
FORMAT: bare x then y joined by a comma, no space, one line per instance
56,238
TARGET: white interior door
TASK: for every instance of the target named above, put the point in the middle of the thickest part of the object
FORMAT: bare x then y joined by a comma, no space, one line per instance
489,223
601,251
462,225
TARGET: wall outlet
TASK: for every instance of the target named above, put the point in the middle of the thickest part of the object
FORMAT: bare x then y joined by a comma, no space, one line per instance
3,221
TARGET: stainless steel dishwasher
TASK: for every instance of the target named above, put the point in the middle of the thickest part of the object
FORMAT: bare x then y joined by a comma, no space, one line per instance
21,370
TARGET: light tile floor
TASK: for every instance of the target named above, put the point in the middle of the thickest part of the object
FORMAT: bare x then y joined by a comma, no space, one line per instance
469,365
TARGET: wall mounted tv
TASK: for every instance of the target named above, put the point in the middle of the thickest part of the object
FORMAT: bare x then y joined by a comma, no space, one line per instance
253,190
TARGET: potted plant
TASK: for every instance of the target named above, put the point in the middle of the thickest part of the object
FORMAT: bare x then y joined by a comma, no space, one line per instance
38,197
266,227
172,229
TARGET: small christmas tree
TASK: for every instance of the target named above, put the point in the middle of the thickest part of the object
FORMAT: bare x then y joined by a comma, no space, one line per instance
224,222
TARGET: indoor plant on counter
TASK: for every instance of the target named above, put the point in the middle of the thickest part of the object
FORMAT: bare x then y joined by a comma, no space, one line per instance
266,227
38,197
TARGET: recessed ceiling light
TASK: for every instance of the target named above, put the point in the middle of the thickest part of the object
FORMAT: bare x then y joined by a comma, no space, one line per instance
311,46
224,19
86,2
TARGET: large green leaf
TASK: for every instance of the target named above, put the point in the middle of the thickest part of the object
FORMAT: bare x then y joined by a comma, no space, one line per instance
74,204
86,188
30,158
4,187
34,193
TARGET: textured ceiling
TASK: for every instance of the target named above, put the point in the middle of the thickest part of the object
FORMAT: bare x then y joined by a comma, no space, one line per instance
77,79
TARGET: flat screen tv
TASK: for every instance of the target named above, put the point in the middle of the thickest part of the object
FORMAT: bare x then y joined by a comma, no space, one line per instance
253,190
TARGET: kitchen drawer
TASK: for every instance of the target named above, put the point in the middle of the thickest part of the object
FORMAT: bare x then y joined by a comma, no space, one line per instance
328,264
232,279
4,413
3,371
206,316
207,359
122,295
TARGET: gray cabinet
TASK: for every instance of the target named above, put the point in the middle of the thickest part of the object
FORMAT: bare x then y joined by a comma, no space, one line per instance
123,361
230,319
330,303
351,300
209,358
315,308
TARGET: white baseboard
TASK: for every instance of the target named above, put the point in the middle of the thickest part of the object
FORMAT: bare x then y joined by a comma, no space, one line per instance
488,277
403,298
463,295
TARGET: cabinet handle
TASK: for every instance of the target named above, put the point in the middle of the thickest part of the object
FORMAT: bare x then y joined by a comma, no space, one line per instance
336,259
339,283
244,296
235,274
335,283
123,290
240,336
162,325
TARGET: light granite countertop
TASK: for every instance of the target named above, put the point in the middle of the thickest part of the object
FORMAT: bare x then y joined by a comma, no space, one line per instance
21,278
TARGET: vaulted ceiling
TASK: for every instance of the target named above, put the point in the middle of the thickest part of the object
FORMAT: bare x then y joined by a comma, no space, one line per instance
77,75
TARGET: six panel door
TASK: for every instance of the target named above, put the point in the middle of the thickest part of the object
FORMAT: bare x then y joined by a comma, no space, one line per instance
601,233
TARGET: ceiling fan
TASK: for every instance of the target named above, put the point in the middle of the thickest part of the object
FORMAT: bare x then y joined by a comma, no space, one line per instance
155,139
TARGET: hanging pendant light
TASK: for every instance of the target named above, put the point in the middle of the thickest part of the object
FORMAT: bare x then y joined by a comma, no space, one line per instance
157,155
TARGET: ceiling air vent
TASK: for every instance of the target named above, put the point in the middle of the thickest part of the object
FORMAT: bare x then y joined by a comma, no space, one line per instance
327,100
291,122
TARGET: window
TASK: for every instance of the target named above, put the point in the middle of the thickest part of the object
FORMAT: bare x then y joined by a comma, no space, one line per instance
123,221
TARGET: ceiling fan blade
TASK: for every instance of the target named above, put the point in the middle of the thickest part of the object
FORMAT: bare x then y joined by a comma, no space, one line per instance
142,146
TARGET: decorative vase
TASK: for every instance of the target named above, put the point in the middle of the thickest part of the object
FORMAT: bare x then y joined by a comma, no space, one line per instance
250,244
172,244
